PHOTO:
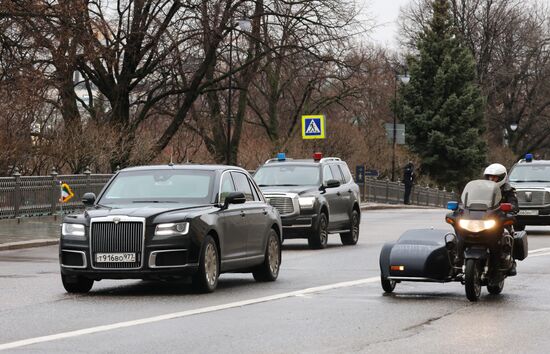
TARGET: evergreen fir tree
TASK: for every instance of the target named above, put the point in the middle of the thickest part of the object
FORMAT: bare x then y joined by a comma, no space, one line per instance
442,106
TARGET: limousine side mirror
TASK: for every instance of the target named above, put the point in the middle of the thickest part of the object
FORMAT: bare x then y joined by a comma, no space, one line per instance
88,199
234,198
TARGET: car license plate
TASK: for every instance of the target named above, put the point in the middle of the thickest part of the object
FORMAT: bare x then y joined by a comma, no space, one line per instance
528,212
115,257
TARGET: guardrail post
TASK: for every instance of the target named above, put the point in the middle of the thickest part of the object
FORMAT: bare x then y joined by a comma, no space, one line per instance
427,194
56,191
387,190
17,192
87,172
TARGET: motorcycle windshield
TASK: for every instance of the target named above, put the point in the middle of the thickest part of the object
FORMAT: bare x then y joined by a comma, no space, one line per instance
481,195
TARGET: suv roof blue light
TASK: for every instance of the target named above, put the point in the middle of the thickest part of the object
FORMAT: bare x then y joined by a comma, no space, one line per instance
281,156
528,157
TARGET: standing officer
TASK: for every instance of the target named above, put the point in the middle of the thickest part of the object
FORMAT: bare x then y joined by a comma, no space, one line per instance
408,180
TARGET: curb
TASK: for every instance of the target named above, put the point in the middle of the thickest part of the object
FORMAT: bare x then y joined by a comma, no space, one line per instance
396,206
28,244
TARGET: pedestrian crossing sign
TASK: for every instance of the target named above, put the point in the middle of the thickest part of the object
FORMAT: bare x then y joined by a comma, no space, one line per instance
313,127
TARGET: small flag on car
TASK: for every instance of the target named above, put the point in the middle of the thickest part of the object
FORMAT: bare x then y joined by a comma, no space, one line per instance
66,193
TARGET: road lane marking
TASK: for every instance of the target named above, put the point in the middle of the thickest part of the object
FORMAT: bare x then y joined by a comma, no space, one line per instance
170,316
540,250
539,254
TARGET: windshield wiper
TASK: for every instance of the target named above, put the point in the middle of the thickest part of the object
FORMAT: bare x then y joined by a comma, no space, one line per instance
264,185
153,201
287,185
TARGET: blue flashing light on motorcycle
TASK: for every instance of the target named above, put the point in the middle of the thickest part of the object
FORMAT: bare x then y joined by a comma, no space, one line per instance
452,205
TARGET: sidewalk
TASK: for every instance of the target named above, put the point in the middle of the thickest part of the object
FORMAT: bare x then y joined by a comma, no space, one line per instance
44,230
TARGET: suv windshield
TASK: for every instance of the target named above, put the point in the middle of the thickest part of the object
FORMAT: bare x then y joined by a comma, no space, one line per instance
287,175
160,186
530,173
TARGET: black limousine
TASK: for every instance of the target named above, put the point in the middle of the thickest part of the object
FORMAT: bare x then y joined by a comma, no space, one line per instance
169,222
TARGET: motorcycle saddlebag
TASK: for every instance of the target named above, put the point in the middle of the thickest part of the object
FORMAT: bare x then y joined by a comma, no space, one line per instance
417,254
521,248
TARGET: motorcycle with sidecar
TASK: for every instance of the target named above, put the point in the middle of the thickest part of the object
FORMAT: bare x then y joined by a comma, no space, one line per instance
481,251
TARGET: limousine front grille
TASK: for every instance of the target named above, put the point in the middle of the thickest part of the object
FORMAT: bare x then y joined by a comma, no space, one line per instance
118,237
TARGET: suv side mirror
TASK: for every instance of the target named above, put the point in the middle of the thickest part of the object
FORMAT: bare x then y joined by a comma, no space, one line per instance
88,199
333,183
234,198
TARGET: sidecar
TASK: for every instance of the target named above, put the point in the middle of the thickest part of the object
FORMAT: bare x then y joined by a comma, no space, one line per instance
418,255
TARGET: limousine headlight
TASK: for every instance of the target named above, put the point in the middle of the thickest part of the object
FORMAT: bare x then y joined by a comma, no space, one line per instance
73,231
172,229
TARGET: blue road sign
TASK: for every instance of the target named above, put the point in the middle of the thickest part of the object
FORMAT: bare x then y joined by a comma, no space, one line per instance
372,173
359,174
313,127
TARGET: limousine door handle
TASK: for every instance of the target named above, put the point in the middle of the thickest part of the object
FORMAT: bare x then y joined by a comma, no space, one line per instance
243,214
265,212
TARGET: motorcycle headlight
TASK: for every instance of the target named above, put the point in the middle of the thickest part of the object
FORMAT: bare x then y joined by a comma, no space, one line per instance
306,202
477,225
172,229
73,231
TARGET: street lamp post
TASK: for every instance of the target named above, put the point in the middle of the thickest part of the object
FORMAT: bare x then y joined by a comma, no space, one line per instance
245,25
404,79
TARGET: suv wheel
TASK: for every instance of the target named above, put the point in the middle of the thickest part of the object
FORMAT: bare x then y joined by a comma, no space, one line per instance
319,237
351,238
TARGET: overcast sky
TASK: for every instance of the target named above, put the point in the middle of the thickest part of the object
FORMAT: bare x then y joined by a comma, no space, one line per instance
385,14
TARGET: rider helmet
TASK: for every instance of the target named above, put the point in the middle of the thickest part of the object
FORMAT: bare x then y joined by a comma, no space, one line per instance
496,170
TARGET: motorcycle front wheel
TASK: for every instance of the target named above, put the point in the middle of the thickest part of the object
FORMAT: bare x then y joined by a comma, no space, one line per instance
472,280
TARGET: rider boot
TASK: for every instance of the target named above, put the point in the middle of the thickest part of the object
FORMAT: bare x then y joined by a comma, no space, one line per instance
512,270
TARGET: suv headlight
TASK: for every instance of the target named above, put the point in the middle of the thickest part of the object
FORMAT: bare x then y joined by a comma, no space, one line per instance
306,202
73,231
172,229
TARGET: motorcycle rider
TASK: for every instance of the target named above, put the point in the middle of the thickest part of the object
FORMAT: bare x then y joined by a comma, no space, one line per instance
497,173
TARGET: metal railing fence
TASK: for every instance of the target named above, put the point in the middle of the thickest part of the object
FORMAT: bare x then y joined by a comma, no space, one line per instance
22,196
39,195
386,191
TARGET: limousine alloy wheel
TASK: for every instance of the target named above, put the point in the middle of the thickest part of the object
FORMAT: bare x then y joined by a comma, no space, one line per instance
206,279
269,269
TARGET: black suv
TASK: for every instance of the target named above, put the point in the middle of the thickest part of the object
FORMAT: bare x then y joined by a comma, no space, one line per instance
531,179
314,197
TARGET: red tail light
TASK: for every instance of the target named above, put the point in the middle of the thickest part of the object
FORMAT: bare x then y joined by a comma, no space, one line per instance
506,207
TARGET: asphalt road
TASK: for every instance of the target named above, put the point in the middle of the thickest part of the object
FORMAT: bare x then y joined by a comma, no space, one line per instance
327,301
